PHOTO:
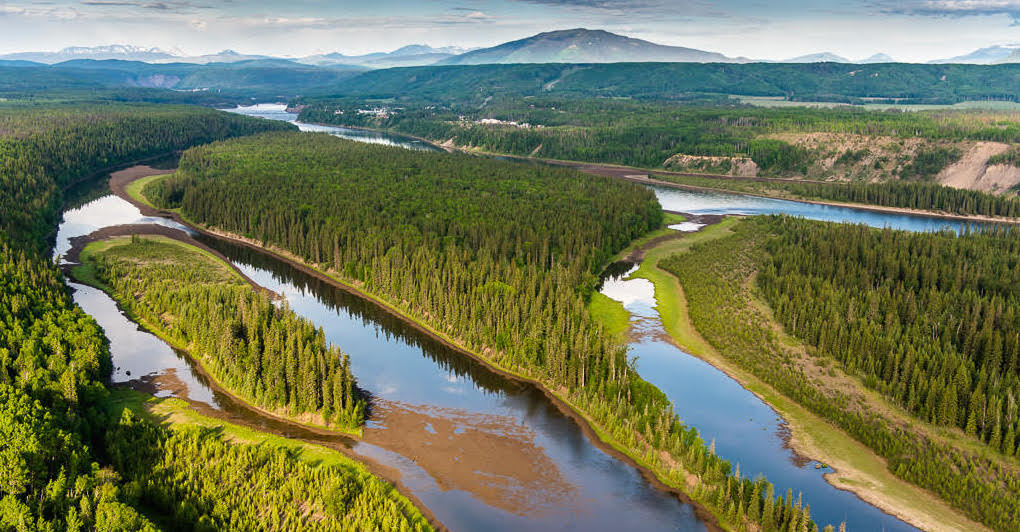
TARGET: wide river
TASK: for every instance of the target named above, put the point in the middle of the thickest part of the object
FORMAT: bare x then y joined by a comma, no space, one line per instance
482,451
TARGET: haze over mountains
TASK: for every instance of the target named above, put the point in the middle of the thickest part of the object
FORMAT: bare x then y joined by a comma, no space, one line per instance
577,45
585,46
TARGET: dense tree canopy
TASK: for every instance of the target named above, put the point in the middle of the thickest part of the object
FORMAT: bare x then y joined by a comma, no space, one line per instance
54,359
199,481
266,354
499,257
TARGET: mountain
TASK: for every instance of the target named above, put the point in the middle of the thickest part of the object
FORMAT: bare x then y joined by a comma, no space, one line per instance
226,56
113,51
410,55
584,46
1012,58
821,57
982,56
877,58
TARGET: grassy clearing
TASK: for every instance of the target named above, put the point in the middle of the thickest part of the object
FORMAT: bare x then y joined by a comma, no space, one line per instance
669,297
172,251
134,189
611,314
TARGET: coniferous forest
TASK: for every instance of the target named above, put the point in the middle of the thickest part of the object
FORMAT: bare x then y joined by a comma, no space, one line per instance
927,319
498,257
263,353
64,465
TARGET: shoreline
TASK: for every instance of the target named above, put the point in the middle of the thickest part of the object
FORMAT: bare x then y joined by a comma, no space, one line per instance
801,440
590,428
643,176
384,472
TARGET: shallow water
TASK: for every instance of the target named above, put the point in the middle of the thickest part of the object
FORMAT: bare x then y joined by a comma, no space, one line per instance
483,451
479,450
743,429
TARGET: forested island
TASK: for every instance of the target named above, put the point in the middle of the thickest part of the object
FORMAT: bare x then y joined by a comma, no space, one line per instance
264,354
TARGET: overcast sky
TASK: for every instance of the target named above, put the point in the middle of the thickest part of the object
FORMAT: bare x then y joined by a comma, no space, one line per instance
909,30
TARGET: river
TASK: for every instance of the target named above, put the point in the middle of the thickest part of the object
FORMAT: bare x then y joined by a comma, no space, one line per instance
478,449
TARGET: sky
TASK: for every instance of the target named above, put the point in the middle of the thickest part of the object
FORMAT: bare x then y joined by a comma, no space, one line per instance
908,30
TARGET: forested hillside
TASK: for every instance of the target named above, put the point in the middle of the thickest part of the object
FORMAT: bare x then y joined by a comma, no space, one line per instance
931,320
499,257
908,83
925,319
265,354
827,144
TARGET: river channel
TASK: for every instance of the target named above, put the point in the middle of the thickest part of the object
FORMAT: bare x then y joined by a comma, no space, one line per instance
480,450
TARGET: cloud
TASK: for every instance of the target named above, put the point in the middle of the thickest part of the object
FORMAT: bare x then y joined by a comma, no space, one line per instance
957,8
172,6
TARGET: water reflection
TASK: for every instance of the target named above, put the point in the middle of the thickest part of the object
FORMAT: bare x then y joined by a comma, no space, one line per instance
744,429
500,452
103,212
701,202
479,450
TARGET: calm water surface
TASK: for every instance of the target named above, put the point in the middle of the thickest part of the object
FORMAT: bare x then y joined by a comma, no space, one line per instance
745,430
278,111
479,450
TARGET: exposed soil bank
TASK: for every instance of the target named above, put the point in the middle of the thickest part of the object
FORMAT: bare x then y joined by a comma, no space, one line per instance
118,184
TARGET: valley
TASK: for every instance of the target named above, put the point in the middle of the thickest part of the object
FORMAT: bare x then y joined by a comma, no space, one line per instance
577,280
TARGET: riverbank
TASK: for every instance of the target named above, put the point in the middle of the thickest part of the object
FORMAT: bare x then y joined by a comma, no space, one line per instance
253,421
84,273
177,414
657,476
643,176
857,468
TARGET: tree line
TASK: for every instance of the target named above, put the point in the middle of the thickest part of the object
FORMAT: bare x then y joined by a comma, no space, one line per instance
500,257
874,327
932,320
264,353
198,481
55,458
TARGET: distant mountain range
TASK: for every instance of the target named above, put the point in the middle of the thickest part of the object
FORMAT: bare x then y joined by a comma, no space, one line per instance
411,55
585,46
114,51
577,45
829,57
983,56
